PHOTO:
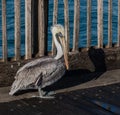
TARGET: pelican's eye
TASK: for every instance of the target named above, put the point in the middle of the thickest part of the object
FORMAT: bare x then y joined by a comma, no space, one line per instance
59,35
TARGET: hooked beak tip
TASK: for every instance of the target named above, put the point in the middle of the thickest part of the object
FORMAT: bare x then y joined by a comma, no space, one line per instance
67,67
66,64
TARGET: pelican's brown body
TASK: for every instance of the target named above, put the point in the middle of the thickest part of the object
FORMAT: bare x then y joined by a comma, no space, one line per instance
44,71
38,73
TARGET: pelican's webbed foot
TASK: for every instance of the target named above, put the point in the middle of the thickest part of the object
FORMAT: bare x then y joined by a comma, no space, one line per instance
48,95
45,95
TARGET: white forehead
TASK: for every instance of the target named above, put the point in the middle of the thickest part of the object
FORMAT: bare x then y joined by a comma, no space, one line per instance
57,28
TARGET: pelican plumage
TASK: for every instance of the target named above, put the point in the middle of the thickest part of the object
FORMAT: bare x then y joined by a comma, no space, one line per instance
44,71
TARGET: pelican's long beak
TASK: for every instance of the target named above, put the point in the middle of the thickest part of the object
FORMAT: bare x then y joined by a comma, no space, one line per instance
63,42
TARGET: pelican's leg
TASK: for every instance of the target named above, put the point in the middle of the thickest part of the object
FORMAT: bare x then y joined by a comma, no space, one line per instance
45,95
41,93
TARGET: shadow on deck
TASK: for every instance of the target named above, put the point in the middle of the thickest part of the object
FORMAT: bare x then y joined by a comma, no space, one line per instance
75,95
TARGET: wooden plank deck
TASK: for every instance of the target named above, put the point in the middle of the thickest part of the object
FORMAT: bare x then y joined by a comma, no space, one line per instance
86,94
86,102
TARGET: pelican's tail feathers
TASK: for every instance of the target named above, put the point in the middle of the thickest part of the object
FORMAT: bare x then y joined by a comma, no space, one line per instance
12,92
15,87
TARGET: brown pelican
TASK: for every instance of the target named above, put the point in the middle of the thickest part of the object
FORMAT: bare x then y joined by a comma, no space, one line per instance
44,71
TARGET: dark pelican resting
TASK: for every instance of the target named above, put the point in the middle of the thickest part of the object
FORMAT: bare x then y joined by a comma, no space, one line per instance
45,71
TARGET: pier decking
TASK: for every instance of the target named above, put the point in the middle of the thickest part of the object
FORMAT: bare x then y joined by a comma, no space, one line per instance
98,96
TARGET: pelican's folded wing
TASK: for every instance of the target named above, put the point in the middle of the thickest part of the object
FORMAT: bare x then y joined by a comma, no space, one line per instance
43,71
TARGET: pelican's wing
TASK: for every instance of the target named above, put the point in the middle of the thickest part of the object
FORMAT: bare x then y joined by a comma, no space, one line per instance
33,63
34,73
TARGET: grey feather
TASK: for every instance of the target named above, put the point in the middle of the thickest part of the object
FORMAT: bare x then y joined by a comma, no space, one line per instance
40,72
45,71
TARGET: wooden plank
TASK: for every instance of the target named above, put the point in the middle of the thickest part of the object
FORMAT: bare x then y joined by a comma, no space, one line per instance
109,23
28,40
4,31
118,42
88,23
46,8
76,25
100,23
55,12
17,29
55,15
41,27
66,16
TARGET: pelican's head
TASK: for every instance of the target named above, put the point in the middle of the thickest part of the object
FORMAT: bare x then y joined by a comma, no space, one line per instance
57,30
58,33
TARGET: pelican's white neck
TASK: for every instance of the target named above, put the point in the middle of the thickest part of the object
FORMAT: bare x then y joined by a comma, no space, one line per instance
59,49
